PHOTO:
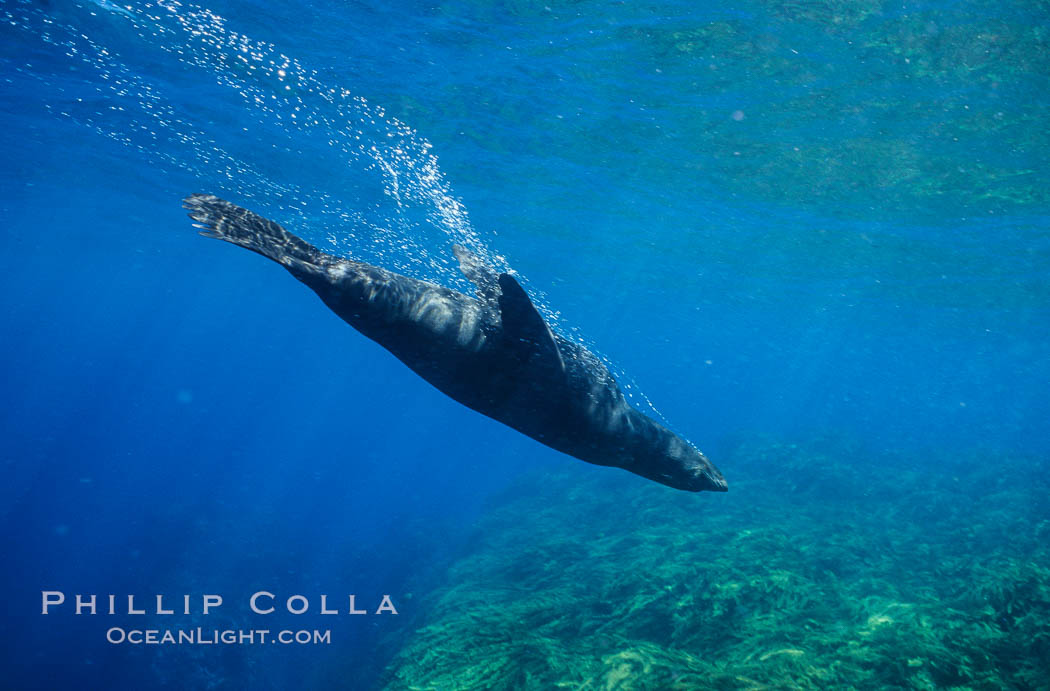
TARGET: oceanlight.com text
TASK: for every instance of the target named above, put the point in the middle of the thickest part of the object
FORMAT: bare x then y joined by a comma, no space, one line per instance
202,636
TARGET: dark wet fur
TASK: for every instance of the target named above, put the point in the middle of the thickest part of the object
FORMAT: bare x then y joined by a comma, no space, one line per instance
493,353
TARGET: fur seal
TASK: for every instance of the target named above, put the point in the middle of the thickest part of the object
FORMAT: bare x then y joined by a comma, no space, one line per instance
493,353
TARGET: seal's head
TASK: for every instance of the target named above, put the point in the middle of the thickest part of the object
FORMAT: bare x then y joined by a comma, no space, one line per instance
696,473
677,463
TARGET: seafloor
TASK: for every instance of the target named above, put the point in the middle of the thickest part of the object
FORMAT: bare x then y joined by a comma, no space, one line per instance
826,566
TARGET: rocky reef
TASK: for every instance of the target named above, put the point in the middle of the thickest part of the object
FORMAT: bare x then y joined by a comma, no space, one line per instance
826,566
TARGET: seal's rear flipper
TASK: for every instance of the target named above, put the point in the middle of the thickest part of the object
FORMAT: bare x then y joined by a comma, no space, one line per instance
218,218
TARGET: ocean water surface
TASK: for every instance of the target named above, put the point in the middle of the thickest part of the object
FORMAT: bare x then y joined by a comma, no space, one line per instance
809,235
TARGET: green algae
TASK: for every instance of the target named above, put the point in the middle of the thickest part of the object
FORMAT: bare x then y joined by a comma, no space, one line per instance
857,108
819,569
928,107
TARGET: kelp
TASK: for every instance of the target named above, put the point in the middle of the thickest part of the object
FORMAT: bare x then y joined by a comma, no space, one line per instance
819,569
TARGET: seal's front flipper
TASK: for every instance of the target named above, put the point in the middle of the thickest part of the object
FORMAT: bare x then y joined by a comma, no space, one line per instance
523,327
479,273
218,218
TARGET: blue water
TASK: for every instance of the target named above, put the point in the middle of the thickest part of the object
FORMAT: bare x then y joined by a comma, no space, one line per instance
782,219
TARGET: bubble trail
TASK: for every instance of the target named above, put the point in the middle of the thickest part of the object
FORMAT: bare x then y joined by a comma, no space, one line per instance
411,232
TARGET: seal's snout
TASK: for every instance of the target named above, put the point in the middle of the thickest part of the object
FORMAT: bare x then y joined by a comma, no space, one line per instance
707,476
715,481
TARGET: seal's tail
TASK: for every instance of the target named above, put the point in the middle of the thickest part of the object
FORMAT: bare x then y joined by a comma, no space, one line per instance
218,218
